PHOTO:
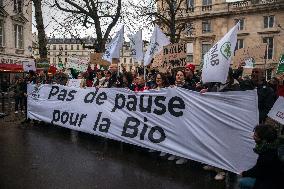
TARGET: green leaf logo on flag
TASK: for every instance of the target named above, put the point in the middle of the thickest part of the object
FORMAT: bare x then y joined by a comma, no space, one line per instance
226,50
281,61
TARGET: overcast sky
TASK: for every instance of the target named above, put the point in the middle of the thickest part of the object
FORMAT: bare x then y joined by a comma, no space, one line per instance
50,24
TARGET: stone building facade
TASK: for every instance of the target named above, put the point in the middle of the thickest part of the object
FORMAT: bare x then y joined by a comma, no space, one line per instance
15,31
60,49
207,21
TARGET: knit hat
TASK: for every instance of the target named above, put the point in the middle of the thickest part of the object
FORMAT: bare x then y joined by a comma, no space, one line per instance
191,67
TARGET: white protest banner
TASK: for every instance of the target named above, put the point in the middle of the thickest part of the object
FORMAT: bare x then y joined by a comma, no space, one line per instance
277,111
175,55
113,49
74,83
158,61
136,46
76,63
250,62
217,60
29,65
214,128
157,41
257,52
96,58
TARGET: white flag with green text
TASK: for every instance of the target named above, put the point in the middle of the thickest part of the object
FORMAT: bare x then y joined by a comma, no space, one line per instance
217,60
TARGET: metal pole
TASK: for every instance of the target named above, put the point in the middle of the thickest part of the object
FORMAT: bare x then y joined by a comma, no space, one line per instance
144,67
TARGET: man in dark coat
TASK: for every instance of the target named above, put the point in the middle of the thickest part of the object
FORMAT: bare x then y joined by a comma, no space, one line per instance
264,92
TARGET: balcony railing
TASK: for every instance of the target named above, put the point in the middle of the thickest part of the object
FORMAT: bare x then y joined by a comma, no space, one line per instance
247,3
190,9
267,1
239,4
206,7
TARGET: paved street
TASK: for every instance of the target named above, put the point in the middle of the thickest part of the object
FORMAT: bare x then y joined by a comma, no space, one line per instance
40,156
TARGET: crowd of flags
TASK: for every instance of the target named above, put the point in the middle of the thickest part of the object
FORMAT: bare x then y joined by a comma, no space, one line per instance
216,61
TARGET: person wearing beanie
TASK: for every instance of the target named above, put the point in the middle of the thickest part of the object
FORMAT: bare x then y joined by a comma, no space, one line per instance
190,78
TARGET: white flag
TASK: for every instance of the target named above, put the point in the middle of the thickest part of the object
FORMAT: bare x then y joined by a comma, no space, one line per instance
217,60
136,45
158,40
29,65
113,49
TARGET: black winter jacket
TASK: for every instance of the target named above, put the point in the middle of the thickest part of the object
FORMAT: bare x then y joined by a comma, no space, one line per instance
267,171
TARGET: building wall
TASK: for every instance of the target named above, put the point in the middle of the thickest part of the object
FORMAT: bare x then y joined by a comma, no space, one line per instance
126,59
222,16
58,53
63,53
54,55
8,52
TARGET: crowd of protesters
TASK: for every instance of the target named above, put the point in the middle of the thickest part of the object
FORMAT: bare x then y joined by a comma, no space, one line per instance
188,78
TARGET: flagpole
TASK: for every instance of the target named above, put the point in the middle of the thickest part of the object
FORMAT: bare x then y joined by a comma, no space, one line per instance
266,59
144,67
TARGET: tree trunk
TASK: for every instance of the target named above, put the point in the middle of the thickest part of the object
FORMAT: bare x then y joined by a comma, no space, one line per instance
42,42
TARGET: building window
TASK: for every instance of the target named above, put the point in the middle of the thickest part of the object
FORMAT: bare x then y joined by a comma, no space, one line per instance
242,23
189,58
206,26
71,47
269,50
18,31
48,53
66,53
60,47
240,44
205,49
66,47
189,29
124,61
206,2
54,47
268,21
65,59
18,6
130,60
190,3
78,47
1,33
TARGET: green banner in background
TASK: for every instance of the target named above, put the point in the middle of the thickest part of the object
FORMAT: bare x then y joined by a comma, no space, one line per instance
280,68
43,64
